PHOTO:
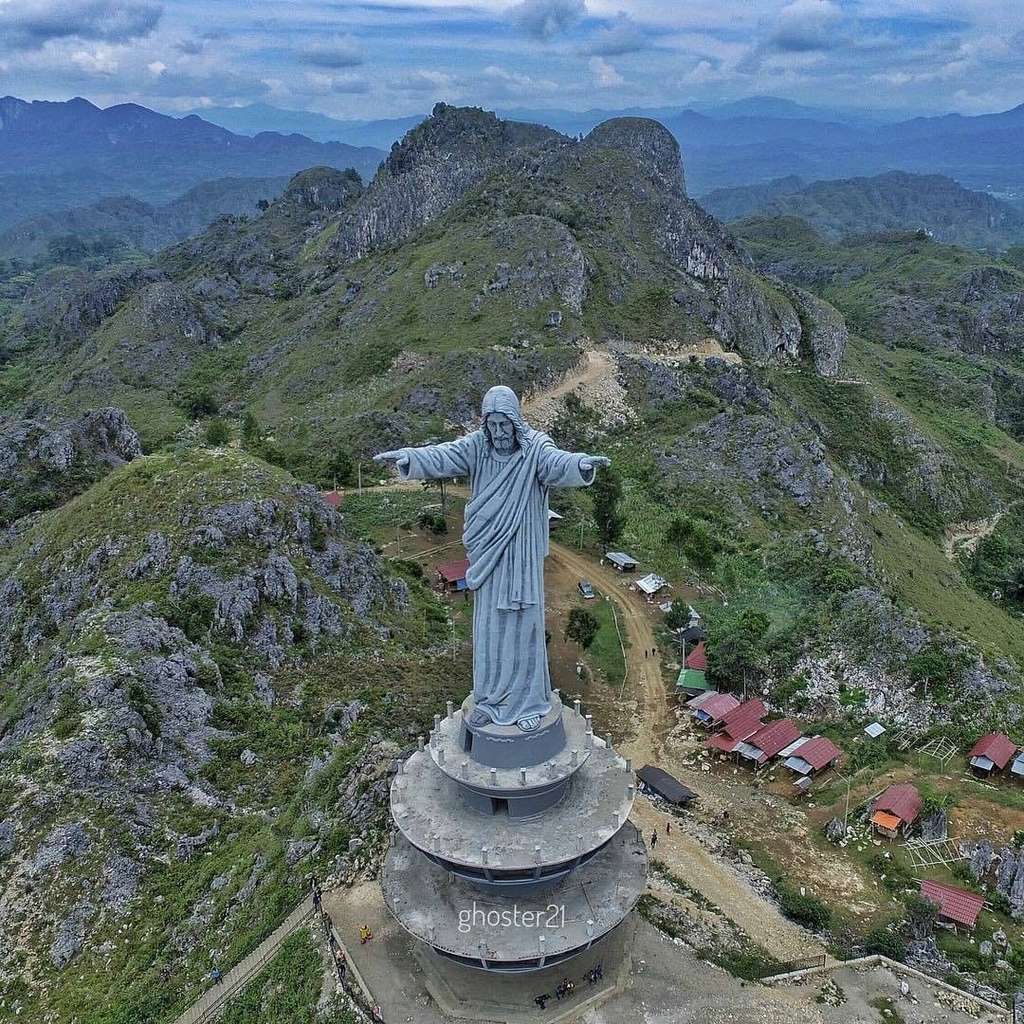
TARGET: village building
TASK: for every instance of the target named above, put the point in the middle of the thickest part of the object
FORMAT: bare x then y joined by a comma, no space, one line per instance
710,711
896,810
332,498
955,906
769,741
650,585
1017,768
809,756
693,675
452,575
738,724
622,561
666,786
992,752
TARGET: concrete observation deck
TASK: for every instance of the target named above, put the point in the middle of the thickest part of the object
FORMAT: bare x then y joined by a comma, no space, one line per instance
429,809
494,931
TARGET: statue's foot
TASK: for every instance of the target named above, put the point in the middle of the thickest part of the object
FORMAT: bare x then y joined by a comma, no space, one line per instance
478,718
529,724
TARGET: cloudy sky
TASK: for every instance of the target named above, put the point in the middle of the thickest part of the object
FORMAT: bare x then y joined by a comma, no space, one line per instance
396,57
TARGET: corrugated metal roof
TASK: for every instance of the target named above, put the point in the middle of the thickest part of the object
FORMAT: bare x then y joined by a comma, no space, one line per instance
724,742
691,679
774,737
996,747
651,583
883,819
874,730
698,658
901,799
452,572
701,699
954,904
818,752
718,706
1018,764
620,558
742,722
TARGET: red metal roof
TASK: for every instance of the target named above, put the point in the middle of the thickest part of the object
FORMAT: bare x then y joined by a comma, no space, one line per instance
954,904
774,736
724,742
332,498
818,752
996,747
452,572
697,658
719,705
743,721
901,799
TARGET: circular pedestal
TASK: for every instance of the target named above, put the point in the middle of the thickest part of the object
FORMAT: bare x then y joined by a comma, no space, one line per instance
492,846
520,932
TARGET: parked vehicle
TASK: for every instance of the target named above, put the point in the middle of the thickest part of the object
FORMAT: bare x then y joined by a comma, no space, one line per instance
586,588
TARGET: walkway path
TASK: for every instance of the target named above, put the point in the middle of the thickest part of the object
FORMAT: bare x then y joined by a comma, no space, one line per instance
211,1003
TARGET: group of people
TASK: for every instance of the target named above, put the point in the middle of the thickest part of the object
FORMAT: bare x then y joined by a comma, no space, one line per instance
654,834
566,986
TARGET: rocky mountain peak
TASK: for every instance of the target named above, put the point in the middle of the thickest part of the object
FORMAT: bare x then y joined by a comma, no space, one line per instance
322,188
648,142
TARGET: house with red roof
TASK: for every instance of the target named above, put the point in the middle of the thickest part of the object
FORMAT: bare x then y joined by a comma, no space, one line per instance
711,711
806,757
955,906
737,725
896,809
692,677
452,575
768,742
332,498
992,753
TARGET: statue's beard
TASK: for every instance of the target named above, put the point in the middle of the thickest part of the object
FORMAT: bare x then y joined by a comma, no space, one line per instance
504,445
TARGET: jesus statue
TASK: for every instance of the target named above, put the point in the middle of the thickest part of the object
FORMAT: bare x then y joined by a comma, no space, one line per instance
511,468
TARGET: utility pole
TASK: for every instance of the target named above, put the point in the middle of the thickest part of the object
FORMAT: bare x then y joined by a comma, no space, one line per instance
398,537
580,545
359,470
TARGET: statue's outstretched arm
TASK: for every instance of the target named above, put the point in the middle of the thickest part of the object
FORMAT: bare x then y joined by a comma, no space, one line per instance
431,461
569,469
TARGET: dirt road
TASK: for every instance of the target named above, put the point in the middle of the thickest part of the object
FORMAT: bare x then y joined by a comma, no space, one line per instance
718,880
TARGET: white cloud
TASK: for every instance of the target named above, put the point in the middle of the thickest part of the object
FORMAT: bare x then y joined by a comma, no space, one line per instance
100,60
607,77
342,51
544,19
157,67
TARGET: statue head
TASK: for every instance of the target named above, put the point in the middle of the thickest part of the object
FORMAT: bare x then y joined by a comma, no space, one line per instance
503,423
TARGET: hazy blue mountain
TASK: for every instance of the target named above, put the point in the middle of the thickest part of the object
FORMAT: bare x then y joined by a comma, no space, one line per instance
142,226
57,155
262,117
895,201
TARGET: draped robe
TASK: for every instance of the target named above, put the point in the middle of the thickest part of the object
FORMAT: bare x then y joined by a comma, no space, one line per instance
506,541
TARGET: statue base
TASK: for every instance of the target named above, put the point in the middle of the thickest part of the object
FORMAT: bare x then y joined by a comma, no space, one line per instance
508,746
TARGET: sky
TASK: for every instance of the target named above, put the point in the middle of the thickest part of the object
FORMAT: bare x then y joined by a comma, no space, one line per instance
392,58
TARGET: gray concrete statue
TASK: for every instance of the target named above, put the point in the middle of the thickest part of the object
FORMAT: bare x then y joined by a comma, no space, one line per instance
511,467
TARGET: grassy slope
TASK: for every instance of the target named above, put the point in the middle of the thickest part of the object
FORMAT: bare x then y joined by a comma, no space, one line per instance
124,984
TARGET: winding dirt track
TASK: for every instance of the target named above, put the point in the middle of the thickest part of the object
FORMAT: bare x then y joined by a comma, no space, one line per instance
683,853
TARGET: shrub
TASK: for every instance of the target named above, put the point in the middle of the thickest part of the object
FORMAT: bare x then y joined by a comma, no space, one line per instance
886,940
582,627
804,908
217,433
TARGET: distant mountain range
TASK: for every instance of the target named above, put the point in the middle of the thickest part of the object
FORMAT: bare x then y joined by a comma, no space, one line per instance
750,141
57,155
895,201
141,225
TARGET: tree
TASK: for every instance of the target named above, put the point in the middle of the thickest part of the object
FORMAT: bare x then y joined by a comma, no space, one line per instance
693,539
582,627
200,403
252,434
606,494
736,645
217,433
337,469
678,616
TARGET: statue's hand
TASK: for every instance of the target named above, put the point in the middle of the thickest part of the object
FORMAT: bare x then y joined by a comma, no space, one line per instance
589,462
399,458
